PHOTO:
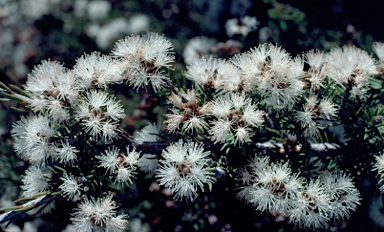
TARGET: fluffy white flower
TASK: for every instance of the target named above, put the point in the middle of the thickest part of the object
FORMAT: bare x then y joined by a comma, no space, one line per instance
34,182
275,188
121,166
71,187
98,214
343,194
33,139
185,169
203,71
273,74
351,65
96,70
235,115
66,153
142,58
312,207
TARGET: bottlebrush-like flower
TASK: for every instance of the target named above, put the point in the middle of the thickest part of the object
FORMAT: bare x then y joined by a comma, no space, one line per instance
344,197
98,214
274,189
187,115
273,74
51,89
34,182
185,169
33,139
142,57
99,113
122,166
235,115
66,153
96,70
312,208
71,187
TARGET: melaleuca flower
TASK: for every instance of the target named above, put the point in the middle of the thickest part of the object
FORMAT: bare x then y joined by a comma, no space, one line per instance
71,187
312,207
185,169
187,114
241,26
99,113
198,47
274,187
314,110
351,66
273,74
66,153
98,214
96,70
142,59
150,133
51,89
209,72
34,181
315,76
121,166
34,139
235,116
344,197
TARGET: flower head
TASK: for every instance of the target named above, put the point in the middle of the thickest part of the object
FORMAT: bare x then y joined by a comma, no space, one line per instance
185,169
98,214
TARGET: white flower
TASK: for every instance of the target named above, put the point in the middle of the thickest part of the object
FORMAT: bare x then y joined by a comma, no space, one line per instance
312,207
123,167
273,74
275,188
34,182
197,47
203,71
71,187
328,109
99,114
33,139
242,26
352,65
96,70
98,214
142,57
185,169
235,115
343,194
67,153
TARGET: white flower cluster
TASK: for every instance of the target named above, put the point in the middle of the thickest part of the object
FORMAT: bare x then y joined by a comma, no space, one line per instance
120,165
74,111
185,169
273,188
98,215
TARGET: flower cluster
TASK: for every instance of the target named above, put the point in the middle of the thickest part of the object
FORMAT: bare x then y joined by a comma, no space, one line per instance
98,214
275,189
185,169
